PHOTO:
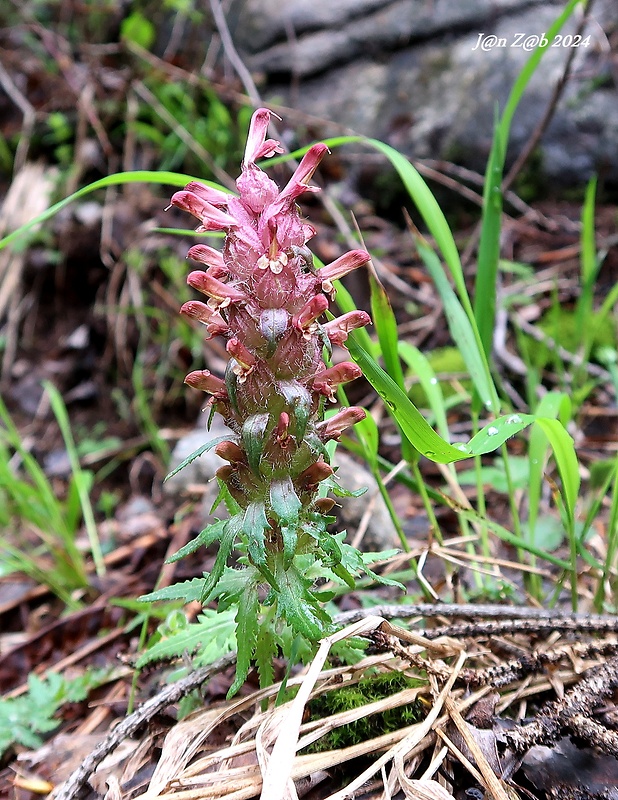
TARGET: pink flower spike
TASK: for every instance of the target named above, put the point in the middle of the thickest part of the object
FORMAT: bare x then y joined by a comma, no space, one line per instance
203,379
204,254
333,428
258,146
219,292
215,324
304,172
338,329
211,217
214,196
313,308
326,382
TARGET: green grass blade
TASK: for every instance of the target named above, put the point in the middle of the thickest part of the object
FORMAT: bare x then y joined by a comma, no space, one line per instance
82,481
463,330
139,176
489,244
566,461
416,428
386,327
553,405
419,363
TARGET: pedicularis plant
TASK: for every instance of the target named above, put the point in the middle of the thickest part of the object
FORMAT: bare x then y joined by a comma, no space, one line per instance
266,300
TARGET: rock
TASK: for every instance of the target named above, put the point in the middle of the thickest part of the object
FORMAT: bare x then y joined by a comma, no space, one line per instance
413,74
381,533
201,471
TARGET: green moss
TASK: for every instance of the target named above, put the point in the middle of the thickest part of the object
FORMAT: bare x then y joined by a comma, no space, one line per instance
367,690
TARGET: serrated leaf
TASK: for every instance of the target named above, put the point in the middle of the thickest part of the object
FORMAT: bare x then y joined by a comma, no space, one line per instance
196,454
213,635
187,591
230,532
295,603
247,625
254,525
204,539
266,651
253,437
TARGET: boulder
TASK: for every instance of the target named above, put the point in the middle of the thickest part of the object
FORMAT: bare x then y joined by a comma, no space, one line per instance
427,75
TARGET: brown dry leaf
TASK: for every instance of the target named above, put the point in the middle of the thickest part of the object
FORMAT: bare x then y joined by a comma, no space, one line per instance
423,790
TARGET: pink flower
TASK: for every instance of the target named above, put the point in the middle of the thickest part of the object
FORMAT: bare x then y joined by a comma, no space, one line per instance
211,217
245,360
258,146
207,255
221,294
333,428
305,319
215,324
203,379
342,266
338,329
327,381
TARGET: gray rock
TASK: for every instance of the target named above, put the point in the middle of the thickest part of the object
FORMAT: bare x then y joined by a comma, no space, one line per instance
410,73
201,471
381,533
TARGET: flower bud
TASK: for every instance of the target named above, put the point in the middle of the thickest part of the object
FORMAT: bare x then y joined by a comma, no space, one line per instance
203,379
327,381
220,293
338,329
333,427
215,324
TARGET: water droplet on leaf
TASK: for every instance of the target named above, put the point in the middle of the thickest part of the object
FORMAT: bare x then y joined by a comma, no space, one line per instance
492,431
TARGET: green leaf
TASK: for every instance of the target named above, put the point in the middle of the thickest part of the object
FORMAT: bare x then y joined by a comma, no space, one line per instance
247,625
566,461
253,437
386,327
187,591
118,178
230,532
204,539
462,328
284,500
419,363
294,602
197,453
299,403
138,29
416,428
210,637
254,526
286,505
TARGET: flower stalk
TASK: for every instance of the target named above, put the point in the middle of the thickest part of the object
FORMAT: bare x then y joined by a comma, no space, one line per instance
268,302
